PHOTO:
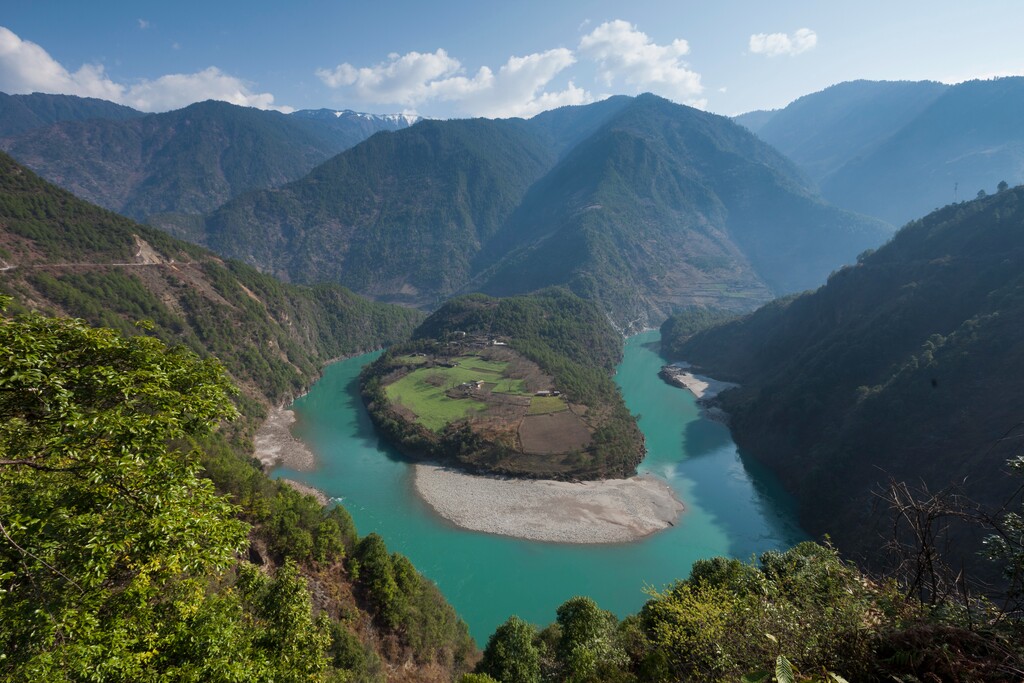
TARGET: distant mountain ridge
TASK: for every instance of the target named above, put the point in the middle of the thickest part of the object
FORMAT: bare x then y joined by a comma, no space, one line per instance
898,150
403,120
638,203
187,161
20,113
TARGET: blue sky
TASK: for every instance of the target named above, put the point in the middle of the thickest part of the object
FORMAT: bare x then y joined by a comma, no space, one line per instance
485,58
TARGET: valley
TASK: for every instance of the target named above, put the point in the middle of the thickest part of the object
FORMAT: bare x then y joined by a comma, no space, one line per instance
732,506
555,375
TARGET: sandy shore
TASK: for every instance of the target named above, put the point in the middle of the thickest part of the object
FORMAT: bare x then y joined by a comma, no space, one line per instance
276,447
611,511
320,496
700,386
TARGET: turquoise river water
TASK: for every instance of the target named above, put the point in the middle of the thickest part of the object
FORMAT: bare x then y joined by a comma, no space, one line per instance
732,507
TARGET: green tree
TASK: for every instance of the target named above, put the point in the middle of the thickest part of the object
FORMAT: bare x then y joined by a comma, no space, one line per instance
1003,186
1007,545
510,655
588,639
107,535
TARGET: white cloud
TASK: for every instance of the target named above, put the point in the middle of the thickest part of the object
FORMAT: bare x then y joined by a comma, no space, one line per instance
775,44
405,79
623,52
174,91
415,78
144,24
25,67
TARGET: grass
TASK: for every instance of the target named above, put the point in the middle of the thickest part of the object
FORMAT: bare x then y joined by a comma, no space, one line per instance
487,366
433,409
511,386
423,390
543,405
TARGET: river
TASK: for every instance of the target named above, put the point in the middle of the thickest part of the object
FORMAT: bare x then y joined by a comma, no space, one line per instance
733,507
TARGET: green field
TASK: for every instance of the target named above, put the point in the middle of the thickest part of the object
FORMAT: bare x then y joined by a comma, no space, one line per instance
486,366
423,390
542,405
433,409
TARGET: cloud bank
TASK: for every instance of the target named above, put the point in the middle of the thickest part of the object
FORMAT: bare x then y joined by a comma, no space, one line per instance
518,88
25,67
622,54
776,44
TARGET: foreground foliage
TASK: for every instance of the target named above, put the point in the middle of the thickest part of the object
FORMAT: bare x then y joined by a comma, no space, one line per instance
798,615
119,561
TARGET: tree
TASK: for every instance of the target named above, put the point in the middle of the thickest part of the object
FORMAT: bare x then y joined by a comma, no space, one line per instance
1002,186
108,536
1006,545
588,639
510,655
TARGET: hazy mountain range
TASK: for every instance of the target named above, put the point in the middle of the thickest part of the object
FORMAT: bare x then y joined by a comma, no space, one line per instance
898,150
186,161
638,203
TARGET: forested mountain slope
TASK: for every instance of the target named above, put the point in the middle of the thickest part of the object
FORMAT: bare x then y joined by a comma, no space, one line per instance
907,365
825,130
664,206
19,113
186,161
398,217
63,255
639,204
969,139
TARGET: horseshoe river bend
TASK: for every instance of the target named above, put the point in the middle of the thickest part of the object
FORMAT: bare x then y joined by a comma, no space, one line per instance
732,505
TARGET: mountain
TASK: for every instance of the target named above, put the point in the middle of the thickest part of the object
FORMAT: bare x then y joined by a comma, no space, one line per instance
823,131
664,206
897,150
20,113
638,203
754,121
969,139
909,365
398,217
187,161
65,256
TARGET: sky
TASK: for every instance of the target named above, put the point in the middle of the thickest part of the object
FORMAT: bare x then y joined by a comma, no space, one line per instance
496,59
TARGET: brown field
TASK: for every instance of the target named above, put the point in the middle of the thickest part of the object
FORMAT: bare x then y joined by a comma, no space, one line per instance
553,433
